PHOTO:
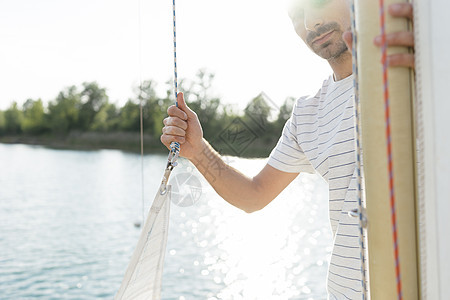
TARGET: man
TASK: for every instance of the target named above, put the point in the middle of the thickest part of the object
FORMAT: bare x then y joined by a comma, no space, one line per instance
319,137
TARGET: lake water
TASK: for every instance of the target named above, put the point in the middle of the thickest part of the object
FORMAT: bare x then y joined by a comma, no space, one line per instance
67,230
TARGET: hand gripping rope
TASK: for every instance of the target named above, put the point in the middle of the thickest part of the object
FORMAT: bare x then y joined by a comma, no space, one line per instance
174,146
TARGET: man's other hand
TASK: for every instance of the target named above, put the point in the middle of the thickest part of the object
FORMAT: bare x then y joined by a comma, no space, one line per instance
402,39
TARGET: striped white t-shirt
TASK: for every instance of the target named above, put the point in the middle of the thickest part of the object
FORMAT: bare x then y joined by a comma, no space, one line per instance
320,137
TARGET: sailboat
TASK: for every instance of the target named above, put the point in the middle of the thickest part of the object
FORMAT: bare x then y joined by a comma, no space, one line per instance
412,263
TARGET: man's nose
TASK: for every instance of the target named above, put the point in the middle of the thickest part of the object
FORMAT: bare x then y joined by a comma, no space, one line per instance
312,20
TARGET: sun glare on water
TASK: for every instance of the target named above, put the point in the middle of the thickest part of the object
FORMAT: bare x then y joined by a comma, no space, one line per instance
279,252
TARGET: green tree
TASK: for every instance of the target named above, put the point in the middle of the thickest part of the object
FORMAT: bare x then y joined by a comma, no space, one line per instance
33,117
64,111
129,117
93,99
207,107
106,119
257,112
151,112
285,112
154,108
2,122
13,119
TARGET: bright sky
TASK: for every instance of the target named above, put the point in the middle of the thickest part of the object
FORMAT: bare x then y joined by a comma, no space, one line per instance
250,45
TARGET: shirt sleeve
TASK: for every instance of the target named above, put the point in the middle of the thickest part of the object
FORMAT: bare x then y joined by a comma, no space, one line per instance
288,156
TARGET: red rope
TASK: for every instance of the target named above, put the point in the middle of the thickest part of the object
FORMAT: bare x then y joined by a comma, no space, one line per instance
389,150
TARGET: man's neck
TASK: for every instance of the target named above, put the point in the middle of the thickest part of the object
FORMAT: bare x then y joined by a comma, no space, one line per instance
342,66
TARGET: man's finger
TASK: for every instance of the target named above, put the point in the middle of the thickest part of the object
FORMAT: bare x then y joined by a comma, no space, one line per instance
347,36
405,39
174,111
174,121
168,139
401,60
401,10
173,130
183,106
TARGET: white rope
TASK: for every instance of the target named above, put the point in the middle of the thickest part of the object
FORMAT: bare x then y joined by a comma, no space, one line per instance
175,79
358,153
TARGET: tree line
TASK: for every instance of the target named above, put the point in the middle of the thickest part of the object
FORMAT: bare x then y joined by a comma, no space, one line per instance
84,117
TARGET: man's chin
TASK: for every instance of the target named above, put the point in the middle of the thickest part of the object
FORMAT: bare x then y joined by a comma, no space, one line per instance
327,52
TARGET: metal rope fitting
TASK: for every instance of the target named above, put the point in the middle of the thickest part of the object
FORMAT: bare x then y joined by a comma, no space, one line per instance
171,163
356,214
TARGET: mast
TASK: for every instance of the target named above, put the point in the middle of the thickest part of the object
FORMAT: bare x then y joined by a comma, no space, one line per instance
382,252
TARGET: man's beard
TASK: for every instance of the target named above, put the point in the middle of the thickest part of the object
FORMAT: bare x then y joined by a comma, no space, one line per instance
329,50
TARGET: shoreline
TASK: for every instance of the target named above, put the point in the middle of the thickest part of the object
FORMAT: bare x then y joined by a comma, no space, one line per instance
124,141
128,142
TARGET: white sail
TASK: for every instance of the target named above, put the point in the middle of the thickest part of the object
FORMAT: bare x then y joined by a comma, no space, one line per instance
433,78
142,279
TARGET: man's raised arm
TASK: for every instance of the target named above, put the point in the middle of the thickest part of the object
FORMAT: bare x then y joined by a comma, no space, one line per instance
249,194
